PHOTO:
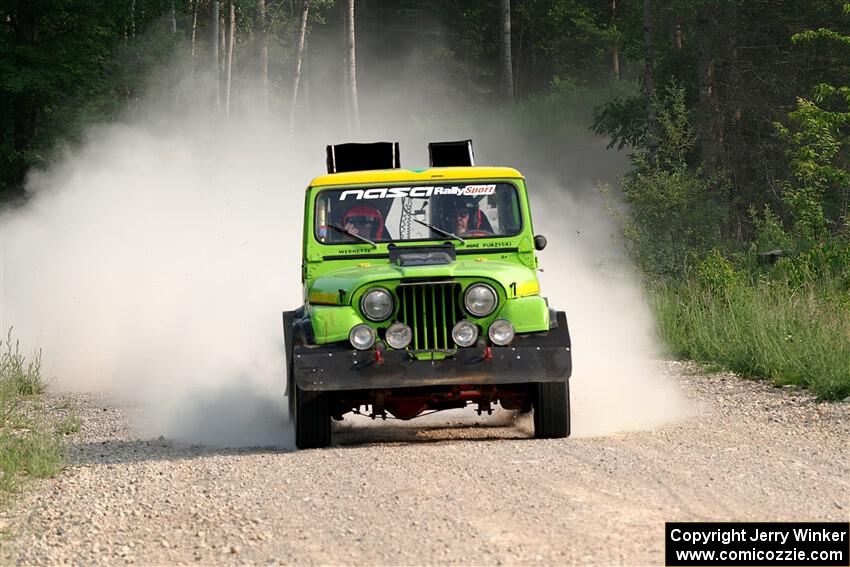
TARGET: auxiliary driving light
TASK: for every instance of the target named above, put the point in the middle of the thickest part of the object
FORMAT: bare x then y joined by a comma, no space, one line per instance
377,304
464,333
399,335
501,332
361,336
480,300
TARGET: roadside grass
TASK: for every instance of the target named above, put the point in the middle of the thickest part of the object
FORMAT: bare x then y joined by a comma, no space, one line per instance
29,447
68,425
763,330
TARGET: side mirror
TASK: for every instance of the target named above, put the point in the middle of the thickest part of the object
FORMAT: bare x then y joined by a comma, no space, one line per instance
539,242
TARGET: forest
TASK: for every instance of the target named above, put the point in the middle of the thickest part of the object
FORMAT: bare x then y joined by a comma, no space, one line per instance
735,115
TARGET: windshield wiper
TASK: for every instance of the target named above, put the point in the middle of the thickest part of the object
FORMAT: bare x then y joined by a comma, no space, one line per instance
352,235
440,230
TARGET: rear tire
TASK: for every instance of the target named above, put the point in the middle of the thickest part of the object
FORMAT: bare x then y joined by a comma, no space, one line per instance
312,419
552,410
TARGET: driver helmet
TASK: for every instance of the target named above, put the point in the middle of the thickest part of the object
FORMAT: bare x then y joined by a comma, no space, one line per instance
364,215
468,206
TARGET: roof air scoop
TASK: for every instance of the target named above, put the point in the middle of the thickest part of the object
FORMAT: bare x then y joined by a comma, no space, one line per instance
451,154
359,157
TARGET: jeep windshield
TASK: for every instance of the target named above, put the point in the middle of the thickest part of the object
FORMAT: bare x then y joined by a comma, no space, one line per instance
401,213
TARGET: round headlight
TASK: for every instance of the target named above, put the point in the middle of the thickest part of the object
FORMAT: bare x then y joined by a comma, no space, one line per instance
464,333
501,332
377,304
399,335
480,300
361,336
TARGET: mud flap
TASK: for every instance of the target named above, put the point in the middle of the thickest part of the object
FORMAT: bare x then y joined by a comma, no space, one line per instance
288,317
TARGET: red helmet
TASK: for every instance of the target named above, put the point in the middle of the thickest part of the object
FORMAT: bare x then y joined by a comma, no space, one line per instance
361,212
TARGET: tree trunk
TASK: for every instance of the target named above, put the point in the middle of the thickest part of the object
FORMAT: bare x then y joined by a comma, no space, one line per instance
517,61
678,39
132,18
194,33
260,32
231,39
173,18
25,109
651,122
354,109
615,50
222,49
708,117
306,73
507,65
346,78
298,60
216,70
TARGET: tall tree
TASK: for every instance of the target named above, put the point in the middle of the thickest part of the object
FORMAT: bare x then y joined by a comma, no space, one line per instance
24,101
214,49
260,29
353,106
231,40
132,18
222,42
302,34
194,32
507,66
615,49
648,70
708,53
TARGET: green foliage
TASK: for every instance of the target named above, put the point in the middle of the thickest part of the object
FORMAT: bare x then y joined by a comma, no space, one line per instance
54,62
765,330
29,450
717,296
564,111
770,234
821,34
21,376
818,147
569,37
676,214
27,446
67,63
717,275
826,265
69,425
623,121
817,193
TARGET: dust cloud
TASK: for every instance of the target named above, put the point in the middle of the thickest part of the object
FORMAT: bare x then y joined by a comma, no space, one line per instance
617,382
154,263
154,259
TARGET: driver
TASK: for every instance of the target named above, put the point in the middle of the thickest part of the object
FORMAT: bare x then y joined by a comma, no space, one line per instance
364,221
465,216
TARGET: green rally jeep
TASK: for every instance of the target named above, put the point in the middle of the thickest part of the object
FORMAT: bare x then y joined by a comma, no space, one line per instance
421,294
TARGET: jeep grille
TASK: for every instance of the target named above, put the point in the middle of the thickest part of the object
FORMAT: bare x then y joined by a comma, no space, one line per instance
430,309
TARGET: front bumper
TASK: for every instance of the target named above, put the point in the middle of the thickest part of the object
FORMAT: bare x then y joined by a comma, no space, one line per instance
540,357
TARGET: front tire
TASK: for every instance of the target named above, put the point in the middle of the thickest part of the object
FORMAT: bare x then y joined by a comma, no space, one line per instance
312,419
552,410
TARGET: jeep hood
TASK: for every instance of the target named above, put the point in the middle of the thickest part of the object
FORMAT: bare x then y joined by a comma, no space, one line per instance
510,275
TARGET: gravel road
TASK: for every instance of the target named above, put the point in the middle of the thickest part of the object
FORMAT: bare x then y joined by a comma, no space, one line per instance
437,494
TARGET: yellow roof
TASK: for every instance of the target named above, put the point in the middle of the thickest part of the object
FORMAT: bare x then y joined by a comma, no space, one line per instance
407,175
